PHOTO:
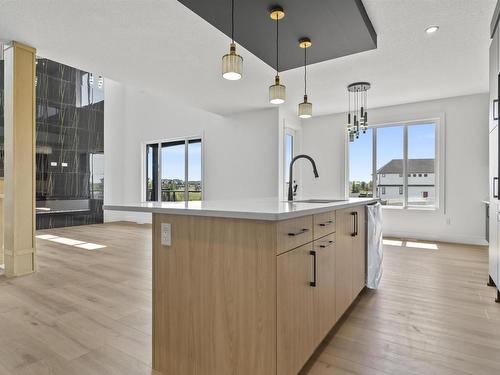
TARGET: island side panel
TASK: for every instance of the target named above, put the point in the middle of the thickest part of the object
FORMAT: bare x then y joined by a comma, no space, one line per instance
214,296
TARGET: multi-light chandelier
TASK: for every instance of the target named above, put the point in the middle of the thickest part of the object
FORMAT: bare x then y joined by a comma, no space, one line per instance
357,117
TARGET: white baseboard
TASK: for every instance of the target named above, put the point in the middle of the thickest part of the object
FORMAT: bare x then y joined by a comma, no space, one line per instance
135,217
467,240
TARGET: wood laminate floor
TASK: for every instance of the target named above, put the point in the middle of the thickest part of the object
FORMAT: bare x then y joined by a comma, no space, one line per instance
89,311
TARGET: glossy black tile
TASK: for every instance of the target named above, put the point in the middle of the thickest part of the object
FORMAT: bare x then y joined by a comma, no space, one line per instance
69,142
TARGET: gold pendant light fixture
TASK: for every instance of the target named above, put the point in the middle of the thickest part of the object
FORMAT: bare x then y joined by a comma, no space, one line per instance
305,108
277,92
232,63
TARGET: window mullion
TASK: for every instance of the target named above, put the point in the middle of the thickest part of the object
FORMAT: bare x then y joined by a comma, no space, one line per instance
158,174
374,162
405,166
186,170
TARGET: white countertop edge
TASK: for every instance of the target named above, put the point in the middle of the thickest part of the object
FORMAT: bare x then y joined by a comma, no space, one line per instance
315,208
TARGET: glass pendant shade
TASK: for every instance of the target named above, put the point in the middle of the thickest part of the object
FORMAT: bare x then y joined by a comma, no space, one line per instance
305,108
277,92
232,64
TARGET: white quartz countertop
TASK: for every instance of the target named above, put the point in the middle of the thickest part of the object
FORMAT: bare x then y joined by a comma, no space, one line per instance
256,209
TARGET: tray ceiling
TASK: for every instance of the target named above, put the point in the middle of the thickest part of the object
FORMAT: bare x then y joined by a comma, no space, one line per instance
336,27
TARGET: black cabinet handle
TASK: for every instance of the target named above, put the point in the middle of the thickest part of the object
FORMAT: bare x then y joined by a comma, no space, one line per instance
330,243
302,231
313,283
326,223
495,187
355,224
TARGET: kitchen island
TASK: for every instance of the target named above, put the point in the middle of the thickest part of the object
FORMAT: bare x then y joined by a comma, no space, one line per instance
250,287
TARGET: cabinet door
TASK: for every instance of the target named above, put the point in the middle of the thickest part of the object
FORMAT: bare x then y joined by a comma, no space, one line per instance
494,68
296,339
359,253
324,292
493,243
493,231
493,163
343,261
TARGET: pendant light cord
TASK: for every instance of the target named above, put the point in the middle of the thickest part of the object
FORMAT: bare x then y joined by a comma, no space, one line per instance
232,21
305,71
277,46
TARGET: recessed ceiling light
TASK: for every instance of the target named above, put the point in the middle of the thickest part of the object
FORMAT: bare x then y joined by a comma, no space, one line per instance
432,29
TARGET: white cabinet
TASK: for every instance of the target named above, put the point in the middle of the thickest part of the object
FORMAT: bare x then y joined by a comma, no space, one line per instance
493,198
494,68
494,225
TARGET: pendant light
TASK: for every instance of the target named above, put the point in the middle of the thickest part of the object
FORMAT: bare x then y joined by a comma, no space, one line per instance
305,108
357,117
277,92
232,63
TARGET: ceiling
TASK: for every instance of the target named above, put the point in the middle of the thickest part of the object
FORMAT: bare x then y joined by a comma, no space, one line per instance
336,28
162,47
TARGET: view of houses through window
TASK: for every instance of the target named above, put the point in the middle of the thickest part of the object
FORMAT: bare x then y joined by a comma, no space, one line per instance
397,163
173,170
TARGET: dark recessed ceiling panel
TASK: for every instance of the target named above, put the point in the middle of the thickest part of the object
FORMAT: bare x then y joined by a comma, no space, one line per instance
336,27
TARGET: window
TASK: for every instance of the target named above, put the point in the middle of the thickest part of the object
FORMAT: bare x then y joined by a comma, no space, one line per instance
96,180
399,161
360,166
422,157
174,170
152,172
288,151
389,157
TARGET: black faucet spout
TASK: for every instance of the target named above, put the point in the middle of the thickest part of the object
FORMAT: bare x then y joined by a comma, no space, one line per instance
290,174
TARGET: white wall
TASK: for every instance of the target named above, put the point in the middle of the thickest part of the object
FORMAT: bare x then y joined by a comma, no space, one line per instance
460,217
240,151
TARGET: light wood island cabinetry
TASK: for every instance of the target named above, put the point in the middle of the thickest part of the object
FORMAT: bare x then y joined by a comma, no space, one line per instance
247,296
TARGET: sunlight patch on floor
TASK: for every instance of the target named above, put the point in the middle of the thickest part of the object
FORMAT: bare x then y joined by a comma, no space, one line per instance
422,245
393,243
90,246
411,244
70,242
66,241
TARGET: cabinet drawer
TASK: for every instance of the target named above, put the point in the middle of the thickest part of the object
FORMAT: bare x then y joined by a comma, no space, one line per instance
293,233
325,242
324,224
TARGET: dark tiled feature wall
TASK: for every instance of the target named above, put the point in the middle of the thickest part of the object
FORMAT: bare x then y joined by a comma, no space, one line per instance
69,131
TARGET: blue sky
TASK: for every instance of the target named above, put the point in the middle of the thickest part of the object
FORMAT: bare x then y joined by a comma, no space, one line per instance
421,145
172,162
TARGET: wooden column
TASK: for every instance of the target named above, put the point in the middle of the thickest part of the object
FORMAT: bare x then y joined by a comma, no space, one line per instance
19,179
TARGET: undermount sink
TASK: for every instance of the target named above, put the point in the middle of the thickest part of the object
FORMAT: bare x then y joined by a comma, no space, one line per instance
320,200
